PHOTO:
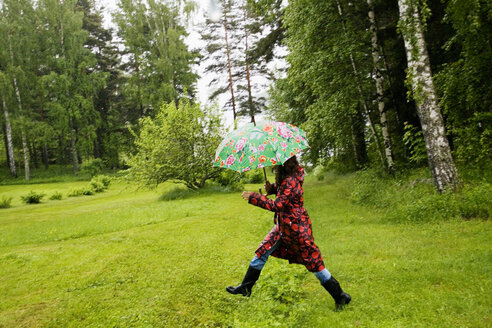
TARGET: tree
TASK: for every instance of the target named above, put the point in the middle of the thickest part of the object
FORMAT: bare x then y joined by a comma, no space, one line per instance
379,87
72,80
419,74
158,62
4,86
177,145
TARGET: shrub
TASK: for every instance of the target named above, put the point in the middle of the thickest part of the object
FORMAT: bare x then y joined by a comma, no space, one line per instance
230,179
56,196
254,176
93,167
99,183
32,197
319,172
76,192
5,202
177,144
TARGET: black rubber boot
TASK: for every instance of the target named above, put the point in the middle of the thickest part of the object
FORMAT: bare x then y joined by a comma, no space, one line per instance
249,280
341,298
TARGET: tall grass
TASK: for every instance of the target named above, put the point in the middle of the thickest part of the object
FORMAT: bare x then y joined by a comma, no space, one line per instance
410,196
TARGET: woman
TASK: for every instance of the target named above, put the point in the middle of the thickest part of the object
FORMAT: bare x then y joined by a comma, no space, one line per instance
291,238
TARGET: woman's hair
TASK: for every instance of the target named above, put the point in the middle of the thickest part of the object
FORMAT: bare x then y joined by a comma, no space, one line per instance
285,170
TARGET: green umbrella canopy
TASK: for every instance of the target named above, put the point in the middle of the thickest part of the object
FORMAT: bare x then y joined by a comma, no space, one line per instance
266,144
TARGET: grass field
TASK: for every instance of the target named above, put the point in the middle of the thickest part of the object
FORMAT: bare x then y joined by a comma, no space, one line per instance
124,258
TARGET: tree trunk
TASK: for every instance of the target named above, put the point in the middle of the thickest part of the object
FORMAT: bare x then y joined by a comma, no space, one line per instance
441,162
75,159
34,154
9,144
358,139
379,89
231,85
359,89
248,78
46,159
25,150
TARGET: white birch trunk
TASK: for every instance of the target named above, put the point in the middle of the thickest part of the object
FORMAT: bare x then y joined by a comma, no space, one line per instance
10,145
25,149
441,162
379,89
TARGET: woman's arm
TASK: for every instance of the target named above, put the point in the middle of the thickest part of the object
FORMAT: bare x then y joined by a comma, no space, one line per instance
279,204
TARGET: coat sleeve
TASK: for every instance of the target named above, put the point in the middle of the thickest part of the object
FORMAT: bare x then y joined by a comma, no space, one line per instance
280,203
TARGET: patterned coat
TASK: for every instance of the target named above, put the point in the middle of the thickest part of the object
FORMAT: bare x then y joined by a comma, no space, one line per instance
294,225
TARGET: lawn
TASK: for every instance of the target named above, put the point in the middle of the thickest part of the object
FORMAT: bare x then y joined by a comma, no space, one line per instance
124,258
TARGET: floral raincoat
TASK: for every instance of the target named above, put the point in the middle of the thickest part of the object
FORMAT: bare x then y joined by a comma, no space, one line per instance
293,227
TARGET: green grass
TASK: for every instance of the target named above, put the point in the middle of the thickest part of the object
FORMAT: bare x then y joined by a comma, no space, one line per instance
124,258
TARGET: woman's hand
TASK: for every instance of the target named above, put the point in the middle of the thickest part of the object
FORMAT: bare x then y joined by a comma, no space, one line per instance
246,194
269,188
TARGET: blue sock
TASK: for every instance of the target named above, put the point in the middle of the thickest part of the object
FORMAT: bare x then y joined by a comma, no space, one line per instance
323,276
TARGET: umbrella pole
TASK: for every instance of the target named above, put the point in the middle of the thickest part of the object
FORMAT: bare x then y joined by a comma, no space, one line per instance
264,173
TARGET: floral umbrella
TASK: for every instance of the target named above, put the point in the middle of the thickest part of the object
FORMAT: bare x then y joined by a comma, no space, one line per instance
266,144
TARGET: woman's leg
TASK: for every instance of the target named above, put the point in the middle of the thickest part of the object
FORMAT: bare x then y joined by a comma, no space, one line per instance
259,262
333,287
253,273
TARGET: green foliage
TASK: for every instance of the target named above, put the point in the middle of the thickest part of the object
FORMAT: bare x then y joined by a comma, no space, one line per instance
177,145
253,176
5,202
56,196
32,197
93,167
230,179
99,183
414,140
82,191
319,172
411,197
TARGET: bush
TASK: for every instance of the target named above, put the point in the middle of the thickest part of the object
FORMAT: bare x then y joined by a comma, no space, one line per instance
319,172
254,176
5,202
93,167
178,145
99,183
32,197
84,191
56,196
230,179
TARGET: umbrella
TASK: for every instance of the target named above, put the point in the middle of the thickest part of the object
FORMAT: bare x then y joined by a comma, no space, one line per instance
266,144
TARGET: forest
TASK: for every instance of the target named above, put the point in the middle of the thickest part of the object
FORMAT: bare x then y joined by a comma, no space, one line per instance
374,83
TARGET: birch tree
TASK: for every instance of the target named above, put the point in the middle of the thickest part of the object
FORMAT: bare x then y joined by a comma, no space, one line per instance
5,88
379,88
419,76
